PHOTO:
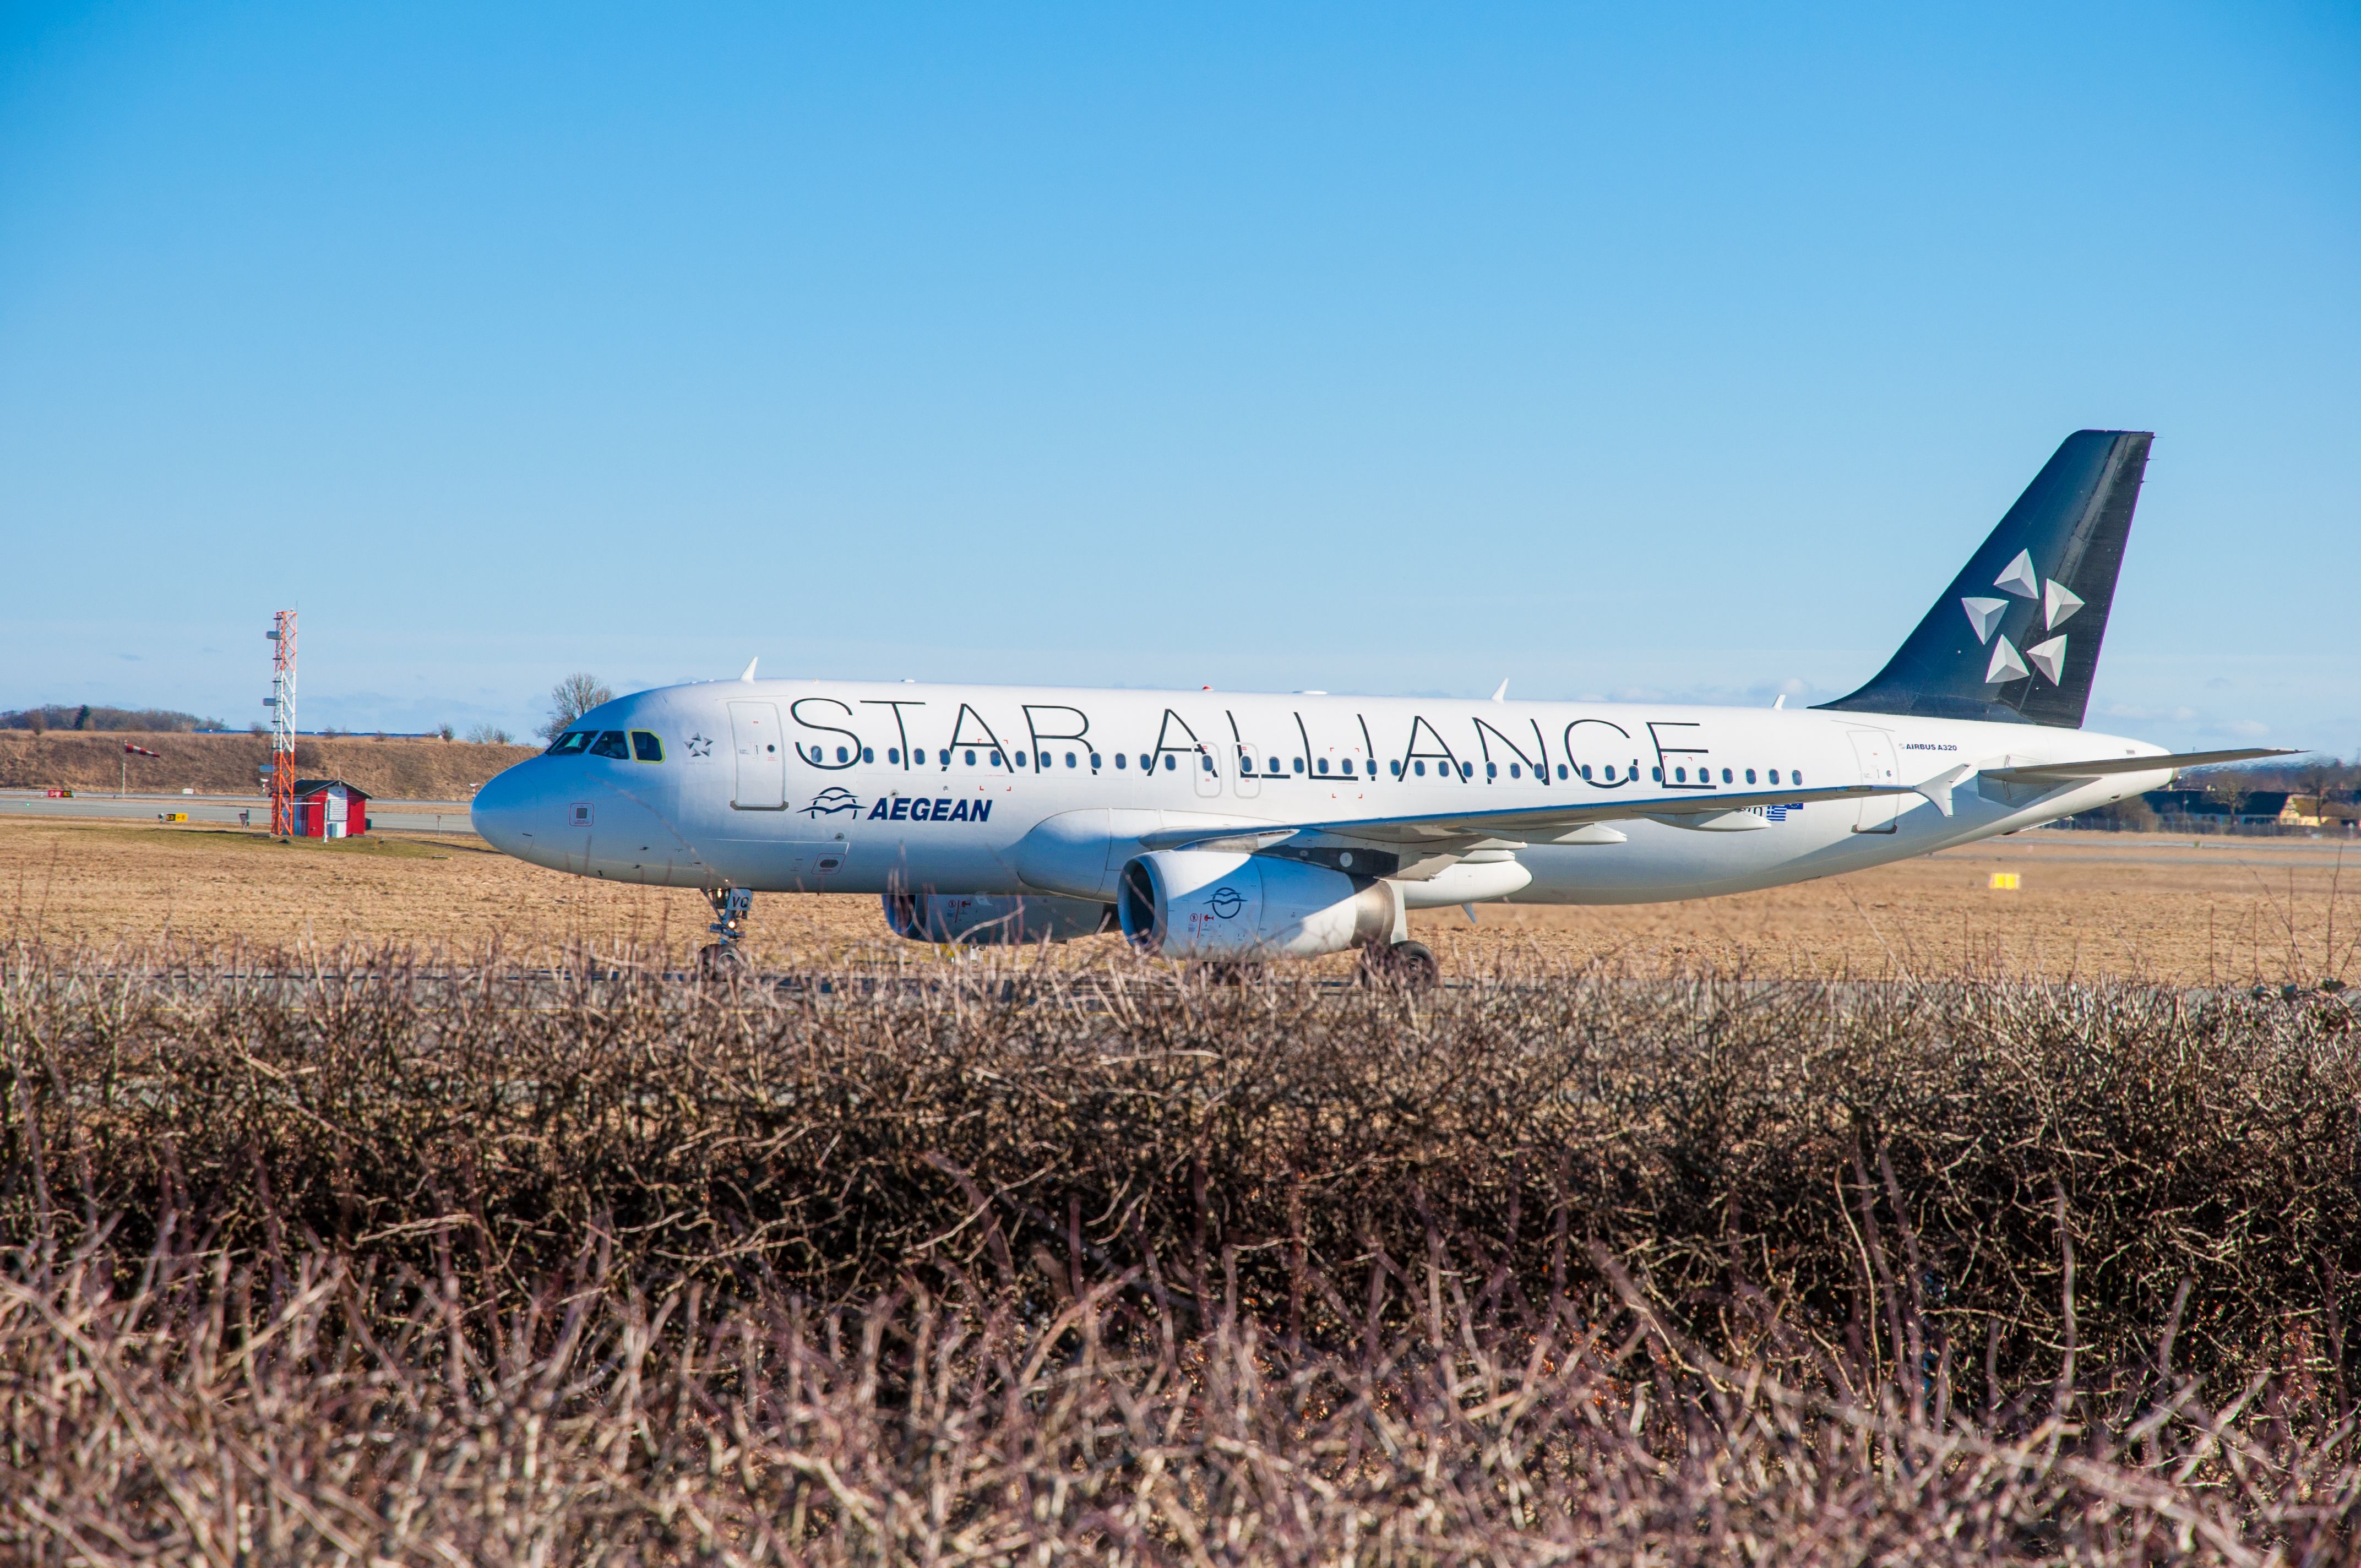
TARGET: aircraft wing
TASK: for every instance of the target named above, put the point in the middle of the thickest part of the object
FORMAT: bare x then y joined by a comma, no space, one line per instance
1439,830
1449,832
2100,767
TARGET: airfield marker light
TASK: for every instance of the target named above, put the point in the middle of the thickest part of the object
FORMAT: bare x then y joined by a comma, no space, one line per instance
2004,881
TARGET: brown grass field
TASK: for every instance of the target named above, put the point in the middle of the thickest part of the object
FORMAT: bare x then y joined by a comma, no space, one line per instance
2090,905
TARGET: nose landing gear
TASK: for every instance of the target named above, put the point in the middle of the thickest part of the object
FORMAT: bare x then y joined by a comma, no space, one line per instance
717,960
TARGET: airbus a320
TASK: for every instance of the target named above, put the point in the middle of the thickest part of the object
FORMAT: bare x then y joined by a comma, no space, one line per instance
1237,827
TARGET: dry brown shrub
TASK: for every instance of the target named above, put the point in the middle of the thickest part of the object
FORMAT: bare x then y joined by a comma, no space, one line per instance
362,1256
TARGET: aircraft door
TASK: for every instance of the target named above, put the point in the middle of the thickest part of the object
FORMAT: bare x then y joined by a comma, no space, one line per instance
1248,762
1873,751
1207,764
761,745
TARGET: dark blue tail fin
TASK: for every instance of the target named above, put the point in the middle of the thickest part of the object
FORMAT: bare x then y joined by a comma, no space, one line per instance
2016,635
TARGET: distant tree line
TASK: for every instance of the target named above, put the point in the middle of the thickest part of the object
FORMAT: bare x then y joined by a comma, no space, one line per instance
2316,774
87,715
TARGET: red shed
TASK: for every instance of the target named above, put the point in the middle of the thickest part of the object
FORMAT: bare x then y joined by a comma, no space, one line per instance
330,809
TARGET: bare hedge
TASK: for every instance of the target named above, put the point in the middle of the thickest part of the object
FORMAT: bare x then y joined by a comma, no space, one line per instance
381,1258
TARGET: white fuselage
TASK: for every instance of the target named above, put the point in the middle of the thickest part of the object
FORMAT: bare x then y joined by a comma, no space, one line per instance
843,786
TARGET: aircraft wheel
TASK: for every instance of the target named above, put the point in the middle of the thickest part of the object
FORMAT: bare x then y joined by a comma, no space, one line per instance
1409,966
720,960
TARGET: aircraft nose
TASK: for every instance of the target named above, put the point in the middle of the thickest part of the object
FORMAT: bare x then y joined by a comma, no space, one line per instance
502,811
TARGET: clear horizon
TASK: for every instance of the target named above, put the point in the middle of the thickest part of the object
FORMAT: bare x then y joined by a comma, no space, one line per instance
1676,355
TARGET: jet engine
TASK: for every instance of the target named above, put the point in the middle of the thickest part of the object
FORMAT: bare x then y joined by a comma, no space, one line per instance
1209,904
977,920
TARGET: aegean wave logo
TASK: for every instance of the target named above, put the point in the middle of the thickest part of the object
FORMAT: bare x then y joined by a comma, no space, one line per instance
829,802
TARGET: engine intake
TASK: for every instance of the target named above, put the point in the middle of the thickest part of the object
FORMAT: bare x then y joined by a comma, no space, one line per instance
1208,904
979,920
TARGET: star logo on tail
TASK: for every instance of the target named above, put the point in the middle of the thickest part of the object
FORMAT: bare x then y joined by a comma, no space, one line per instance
2058,604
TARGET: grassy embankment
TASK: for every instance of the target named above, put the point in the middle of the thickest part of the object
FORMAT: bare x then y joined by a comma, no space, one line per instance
226,765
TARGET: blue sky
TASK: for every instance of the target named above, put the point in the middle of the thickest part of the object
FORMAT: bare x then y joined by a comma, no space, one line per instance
1682,352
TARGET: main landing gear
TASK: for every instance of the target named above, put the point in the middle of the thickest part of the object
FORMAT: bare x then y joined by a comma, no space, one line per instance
717,959
1399,966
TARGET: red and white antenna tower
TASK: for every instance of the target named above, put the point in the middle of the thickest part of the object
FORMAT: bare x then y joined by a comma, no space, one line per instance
282,724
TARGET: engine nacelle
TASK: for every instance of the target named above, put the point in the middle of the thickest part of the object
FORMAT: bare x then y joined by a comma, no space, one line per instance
980,920
1208,904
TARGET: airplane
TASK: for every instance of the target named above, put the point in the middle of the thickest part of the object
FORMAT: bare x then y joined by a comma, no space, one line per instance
1232,828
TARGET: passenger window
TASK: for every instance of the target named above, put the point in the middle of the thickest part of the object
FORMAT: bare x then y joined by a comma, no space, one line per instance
892,753
1207,758
1749,775
869,753
1725,776
1774,776
646,747
970,759
568,744
995,759
1796,779
1171,763
1491,769
1320,765
1069,758
1348,767
1094,762
610,743
1680,775
1655,775
1298,764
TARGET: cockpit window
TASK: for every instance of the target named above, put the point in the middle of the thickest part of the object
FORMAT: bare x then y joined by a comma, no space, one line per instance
570,744
610,743
646,747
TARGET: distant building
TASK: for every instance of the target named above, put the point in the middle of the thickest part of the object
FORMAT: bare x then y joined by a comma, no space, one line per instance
2320,811
330,809
2255,808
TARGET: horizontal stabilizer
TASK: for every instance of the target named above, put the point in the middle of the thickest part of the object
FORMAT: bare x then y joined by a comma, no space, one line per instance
2035,773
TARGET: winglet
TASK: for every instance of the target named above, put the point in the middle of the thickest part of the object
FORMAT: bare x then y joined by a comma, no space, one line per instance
1502,694
1937,790
750,667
